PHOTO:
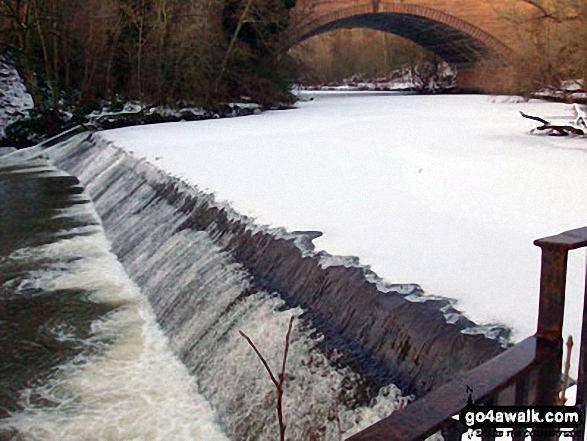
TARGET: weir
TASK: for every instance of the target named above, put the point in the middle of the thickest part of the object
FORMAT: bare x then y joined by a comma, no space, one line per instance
82,356
209,272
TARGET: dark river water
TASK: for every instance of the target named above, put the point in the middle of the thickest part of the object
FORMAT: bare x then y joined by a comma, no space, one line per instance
41,326
81,356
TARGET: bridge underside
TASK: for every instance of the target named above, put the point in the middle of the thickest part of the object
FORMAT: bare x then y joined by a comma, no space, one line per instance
451,44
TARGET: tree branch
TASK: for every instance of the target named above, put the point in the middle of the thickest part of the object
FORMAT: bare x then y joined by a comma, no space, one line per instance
550,14
278,383
269,371
286,350
231,45
535,118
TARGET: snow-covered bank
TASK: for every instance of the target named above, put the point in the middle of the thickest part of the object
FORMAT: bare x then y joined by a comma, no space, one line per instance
445,191
16,105
14,99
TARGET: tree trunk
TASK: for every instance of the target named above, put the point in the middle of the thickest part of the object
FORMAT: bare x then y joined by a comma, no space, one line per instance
88,64
231,45
53,93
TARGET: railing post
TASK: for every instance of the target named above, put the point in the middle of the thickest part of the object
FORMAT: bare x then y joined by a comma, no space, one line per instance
552,293
551,311
550,318
582,372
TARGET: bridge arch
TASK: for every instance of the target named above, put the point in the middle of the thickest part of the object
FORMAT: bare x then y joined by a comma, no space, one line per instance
453,39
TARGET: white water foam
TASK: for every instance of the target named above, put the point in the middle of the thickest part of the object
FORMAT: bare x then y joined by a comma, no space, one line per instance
134,388
315,393
203,298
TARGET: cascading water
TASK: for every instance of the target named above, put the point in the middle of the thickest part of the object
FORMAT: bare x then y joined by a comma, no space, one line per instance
82,356
202,298
208,272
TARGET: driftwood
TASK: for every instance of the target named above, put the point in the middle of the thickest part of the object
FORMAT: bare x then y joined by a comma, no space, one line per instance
561,130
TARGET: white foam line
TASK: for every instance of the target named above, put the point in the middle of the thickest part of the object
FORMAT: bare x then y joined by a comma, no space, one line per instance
136,389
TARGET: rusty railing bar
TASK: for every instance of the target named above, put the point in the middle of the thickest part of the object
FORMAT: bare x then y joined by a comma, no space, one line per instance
568,240
487,436
432,412
427,415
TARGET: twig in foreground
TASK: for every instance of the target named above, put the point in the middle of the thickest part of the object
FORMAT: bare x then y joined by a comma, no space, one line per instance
565,381
277,382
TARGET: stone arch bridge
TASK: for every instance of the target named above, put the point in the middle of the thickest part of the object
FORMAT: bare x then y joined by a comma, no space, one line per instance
469,34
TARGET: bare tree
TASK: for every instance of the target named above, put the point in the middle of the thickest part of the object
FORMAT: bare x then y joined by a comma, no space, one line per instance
160,51
231,46
17,37
553,36
365,54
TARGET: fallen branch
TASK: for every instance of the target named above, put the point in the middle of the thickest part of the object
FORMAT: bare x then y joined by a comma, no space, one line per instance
278,382
535,118
557,130
562,130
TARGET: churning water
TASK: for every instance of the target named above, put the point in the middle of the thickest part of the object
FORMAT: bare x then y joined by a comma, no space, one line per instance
202,297
82,356
90,355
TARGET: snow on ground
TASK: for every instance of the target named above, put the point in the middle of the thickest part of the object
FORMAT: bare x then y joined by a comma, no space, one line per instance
569,90
401,79
445,191
14,99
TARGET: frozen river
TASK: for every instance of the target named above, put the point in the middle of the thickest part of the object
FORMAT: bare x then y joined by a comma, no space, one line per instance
445,191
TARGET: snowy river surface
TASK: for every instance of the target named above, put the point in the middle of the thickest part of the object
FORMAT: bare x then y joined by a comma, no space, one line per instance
445,191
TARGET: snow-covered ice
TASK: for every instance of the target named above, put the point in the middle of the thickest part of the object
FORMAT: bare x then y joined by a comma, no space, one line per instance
445,191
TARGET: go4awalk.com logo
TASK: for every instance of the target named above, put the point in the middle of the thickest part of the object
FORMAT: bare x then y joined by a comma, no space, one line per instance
521,417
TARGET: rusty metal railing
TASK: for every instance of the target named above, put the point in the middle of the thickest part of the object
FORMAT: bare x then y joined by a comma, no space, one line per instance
527,373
